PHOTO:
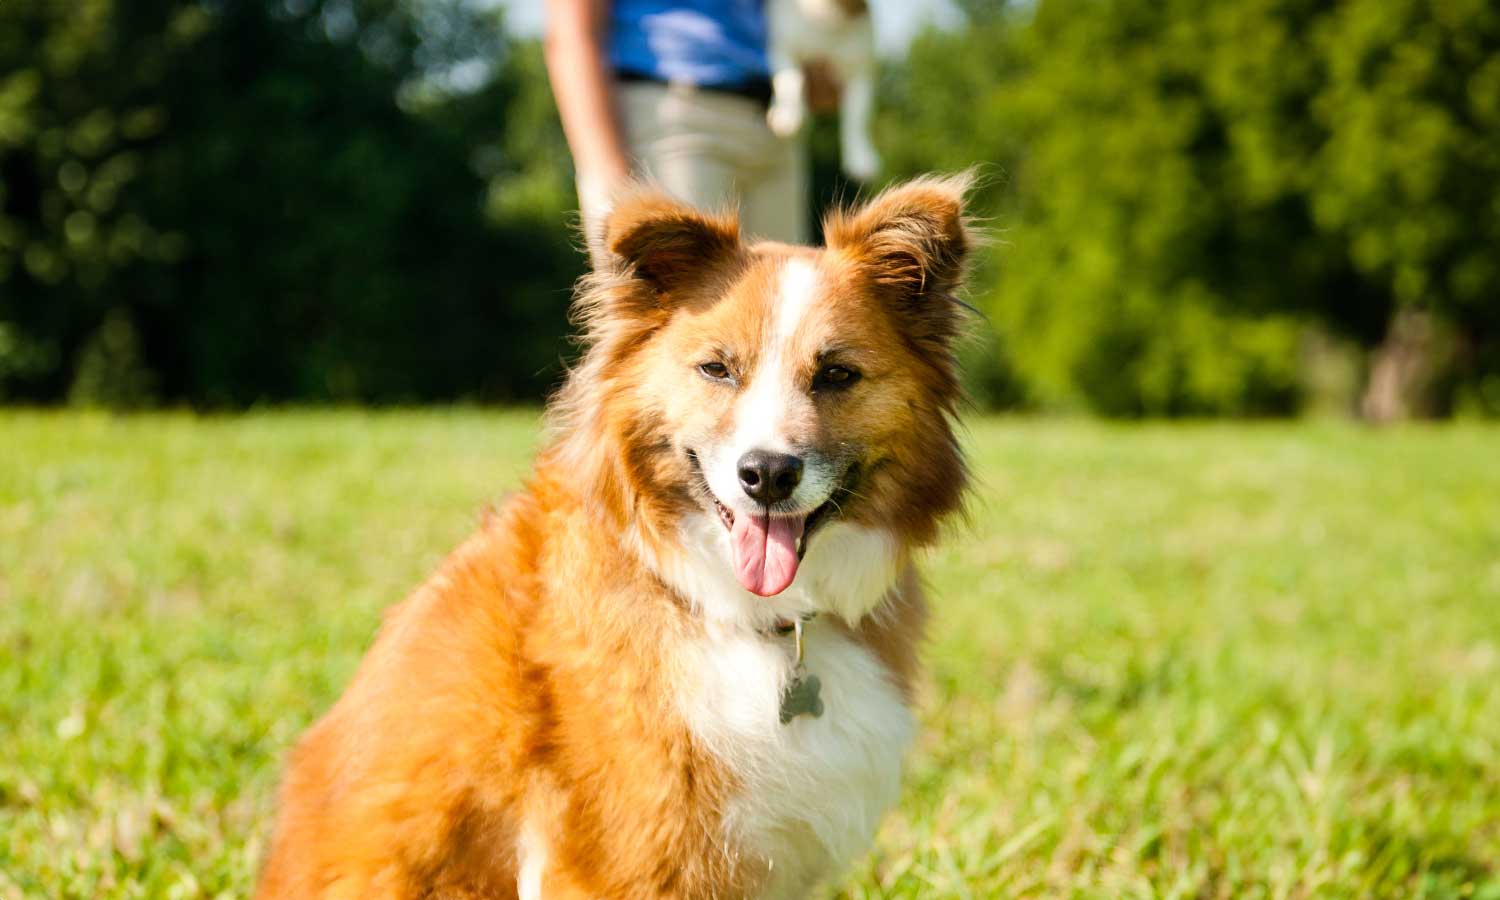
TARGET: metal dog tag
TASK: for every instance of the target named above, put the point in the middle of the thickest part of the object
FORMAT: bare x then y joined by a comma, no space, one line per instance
801,697
801,694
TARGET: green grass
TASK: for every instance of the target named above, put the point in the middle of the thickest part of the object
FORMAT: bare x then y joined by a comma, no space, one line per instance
1177,661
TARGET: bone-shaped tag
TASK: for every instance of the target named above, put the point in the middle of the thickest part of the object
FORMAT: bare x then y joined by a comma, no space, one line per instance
801,698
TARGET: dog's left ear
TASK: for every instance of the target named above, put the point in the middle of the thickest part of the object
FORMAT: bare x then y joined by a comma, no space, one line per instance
663,242
912,240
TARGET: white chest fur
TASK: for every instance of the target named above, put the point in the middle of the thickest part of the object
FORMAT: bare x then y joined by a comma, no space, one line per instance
813,790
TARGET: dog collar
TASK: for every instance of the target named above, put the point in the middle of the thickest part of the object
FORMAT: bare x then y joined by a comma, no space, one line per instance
784,627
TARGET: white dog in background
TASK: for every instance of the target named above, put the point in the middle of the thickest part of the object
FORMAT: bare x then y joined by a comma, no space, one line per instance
840,34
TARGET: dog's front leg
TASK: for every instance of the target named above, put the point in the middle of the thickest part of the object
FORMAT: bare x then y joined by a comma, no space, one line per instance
788,110
856,110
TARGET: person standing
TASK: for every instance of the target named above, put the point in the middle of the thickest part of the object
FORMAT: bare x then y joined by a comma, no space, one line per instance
676,92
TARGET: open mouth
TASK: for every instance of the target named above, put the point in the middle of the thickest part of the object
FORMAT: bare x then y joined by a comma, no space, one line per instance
809,522
769,547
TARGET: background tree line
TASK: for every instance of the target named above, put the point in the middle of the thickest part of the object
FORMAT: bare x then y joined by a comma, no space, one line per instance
232,201
1202,208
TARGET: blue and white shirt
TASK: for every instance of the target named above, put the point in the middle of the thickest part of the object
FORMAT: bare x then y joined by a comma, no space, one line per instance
709,43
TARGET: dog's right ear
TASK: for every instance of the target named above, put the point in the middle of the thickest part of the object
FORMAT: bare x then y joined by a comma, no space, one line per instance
662,241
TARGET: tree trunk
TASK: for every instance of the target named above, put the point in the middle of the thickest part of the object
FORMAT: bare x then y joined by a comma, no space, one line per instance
1401,370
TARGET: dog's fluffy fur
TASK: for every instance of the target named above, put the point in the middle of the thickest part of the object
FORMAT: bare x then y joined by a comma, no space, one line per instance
839,34
582,702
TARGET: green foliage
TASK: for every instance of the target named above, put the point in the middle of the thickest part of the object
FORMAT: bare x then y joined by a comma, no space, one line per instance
1410,168
1182,185
310,200
111,372
1223,661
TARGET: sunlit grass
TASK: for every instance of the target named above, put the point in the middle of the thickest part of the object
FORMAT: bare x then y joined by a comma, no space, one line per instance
1186,661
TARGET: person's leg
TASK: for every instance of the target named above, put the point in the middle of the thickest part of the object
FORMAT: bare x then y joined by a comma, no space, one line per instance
679,141
714,150
774,201
675,142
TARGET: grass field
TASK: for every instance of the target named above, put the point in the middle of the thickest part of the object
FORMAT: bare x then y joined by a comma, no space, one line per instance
1176,661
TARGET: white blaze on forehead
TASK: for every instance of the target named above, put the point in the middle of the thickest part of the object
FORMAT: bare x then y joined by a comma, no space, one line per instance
761,412
799,284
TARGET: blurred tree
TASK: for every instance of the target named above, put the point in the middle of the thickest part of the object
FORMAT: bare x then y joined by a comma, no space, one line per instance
311,199
1406,174
79,89
1188,180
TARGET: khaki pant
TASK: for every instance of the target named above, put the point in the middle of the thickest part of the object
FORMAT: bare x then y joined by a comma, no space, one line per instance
715,151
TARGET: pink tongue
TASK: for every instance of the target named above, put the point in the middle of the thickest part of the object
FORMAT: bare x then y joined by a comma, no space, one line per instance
765,552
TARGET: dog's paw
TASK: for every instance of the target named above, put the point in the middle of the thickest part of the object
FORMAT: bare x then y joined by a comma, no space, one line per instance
785,119
860,160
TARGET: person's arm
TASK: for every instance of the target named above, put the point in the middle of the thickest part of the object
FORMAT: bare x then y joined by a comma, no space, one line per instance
584,89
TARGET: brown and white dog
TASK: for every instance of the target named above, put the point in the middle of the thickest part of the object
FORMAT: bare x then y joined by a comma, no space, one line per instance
598,694
840,35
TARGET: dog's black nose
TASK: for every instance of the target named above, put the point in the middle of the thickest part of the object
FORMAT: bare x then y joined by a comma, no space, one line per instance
769,477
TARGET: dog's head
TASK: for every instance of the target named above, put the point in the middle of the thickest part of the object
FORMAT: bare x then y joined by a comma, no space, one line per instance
777,391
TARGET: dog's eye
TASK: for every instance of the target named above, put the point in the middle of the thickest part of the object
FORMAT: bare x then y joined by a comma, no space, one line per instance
835,377
715,370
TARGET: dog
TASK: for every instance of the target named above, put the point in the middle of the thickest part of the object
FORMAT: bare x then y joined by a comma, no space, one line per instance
680,662
838,33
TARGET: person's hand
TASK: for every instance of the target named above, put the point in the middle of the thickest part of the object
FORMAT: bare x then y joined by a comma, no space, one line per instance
821,87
